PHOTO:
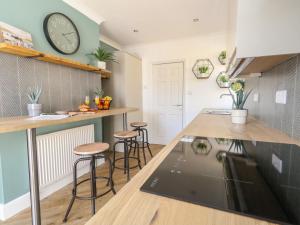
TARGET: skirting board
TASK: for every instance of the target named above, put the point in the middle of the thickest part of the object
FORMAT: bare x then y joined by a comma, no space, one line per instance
17,205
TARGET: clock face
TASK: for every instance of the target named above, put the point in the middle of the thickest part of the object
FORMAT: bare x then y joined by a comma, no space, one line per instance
61,33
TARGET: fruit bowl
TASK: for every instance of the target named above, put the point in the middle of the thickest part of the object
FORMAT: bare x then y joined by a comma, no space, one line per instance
104,103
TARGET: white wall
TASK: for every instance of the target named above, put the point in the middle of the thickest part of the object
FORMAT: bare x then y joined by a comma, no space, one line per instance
198,94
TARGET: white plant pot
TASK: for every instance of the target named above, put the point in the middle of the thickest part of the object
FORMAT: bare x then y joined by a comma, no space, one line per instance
34,109
239,116
102,65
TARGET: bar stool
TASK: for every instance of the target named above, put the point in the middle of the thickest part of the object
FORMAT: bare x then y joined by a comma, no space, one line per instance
90,152
128,139
143,132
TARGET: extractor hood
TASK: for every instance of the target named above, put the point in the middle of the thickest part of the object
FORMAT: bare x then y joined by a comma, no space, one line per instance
261,35
255,66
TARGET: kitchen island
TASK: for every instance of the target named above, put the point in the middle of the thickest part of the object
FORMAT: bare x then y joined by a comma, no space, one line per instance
133,207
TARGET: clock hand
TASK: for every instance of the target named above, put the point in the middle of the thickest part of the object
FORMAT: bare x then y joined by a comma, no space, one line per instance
64,34
68,39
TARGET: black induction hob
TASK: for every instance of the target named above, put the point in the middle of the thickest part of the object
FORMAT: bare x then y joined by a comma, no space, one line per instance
256,179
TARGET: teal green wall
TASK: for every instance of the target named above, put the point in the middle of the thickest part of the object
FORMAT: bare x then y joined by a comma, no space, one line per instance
108,47
29,16
1,183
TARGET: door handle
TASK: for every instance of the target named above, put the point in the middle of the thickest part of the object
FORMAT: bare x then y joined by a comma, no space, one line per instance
177,105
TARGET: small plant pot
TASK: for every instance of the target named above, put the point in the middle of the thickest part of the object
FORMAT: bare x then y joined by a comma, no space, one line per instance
239,116
34,109
102,65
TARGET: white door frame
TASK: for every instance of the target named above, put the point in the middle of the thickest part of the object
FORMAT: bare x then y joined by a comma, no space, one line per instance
183,84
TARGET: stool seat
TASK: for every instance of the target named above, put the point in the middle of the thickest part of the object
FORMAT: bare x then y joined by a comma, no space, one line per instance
126,134
138,124
91,149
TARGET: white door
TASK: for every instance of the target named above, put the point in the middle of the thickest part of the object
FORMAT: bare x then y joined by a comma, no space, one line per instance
167,101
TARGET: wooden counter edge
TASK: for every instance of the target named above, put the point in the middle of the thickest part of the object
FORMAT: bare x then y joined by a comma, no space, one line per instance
12,124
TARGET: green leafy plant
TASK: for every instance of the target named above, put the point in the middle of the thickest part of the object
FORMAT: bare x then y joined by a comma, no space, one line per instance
203,69
201,145
223,55
34,94
99,92
101,54
224,78
238,93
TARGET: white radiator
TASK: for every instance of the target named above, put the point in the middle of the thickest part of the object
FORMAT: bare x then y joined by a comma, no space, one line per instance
55,152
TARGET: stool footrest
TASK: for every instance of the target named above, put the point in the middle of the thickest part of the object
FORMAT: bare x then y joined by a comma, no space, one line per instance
89,197
130,157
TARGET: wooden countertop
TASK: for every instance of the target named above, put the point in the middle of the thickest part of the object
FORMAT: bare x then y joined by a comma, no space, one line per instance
132,207
10,124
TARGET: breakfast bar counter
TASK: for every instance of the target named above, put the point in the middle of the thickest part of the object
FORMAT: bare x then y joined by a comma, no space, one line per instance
11,124
133,207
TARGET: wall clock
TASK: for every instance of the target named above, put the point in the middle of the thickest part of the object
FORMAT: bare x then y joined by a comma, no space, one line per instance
61,33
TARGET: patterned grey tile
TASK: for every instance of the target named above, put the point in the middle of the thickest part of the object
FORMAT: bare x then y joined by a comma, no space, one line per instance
10,98
55,88
75,89
26,79
66,88
283,117
63,87
252,84
288,80
98,80
267,98
84,84
91,84
296,124
42,79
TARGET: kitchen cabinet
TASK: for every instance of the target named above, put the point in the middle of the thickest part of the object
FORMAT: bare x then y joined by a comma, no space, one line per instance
262,34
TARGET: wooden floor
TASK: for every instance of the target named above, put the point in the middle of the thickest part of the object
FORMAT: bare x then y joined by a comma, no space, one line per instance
54,206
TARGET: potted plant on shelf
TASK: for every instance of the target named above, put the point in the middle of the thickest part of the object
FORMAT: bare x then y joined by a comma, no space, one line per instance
222,57
103,56
34,93
223,80
203,69
239,97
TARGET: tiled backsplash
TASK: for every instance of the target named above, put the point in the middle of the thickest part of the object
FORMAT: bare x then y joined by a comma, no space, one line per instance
285,117
64,88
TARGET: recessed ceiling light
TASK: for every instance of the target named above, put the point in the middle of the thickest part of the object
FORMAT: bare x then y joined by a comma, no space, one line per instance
196,20
135,30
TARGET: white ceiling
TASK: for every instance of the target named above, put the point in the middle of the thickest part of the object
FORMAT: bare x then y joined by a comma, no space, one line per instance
156,20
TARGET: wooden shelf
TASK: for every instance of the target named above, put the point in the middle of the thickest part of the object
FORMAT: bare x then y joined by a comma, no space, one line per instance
30,53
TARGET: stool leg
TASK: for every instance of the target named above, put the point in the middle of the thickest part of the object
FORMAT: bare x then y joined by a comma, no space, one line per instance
111,182
139,134
138,153
126,160
93,185
114,157
74,190
125,156
143,147
147,142
131,143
